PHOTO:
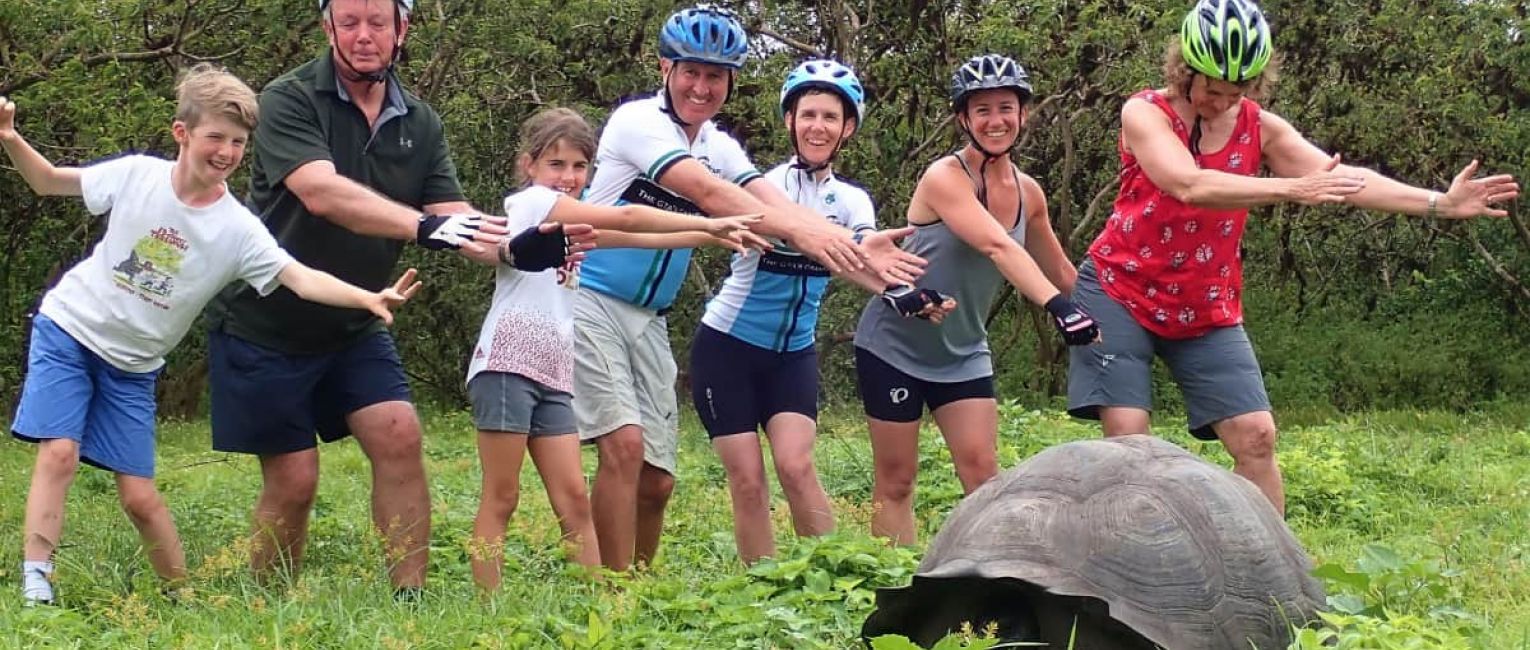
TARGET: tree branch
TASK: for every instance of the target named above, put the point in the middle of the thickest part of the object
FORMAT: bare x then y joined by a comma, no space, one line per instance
1519,227
761,29
1090,212
940,129
1498,268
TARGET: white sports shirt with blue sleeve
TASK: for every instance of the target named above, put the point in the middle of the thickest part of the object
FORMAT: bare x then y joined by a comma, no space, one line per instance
771,300
638,145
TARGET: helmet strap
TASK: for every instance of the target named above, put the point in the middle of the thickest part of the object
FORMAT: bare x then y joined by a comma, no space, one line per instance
800,162
669,99
380,76
669,105
988,156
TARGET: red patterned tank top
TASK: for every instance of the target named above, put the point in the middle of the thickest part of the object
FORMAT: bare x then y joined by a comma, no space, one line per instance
1178,268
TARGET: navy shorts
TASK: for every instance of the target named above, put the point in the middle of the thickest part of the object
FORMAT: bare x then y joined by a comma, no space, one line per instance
737,387
891,395
71,392
265,401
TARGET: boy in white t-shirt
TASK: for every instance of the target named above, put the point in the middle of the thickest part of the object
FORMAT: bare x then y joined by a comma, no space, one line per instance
176,236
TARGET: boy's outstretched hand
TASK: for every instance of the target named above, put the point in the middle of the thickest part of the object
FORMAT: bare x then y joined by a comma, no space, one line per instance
7,120
383,302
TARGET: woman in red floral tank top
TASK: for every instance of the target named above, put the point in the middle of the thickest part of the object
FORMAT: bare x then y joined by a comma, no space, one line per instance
1165,277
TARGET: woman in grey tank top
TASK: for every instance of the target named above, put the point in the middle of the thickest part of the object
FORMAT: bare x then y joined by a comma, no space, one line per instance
980,222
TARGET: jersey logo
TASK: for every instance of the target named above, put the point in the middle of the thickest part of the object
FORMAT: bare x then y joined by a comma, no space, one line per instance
645,192
798,265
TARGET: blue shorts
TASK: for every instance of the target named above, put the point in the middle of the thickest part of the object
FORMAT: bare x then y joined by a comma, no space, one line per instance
265,401
891,395
737,387
71,392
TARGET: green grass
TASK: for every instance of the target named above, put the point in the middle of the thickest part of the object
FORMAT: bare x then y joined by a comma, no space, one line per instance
1452,489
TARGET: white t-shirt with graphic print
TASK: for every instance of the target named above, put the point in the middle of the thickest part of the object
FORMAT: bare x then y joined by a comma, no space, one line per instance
529,330
160,261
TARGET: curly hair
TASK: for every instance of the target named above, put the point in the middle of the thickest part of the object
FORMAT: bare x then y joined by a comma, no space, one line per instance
1177,74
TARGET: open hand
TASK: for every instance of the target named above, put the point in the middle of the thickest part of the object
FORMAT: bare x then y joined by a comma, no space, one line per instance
894,265
384,302
1326,185
1470,197
7,120
723,226
828,244
743,241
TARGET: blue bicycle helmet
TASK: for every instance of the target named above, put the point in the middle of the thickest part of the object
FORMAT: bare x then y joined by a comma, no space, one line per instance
704,34
823,74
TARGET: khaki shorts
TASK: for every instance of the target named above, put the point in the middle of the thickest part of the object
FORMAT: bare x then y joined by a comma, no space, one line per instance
624,374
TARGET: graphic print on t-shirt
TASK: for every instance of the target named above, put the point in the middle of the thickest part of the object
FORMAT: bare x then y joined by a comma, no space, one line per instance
150,268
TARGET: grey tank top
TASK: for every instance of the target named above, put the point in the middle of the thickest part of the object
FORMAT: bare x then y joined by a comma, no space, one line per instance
957,349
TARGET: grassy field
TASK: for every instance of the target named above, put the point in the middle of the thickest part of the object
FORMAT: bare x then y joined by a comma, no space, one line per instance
1429,512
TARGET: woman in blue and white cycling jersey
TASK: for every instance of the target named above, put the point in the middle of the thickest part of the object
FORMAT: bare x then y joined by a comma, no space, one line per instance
753,363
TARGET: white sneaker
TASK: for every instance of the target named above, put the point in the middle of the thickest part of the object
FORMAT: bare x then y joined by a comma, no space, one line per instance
36,589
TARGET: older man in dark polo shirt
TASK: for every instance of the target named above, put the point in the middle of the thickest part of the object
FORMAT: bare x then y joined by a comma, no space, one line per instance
348,166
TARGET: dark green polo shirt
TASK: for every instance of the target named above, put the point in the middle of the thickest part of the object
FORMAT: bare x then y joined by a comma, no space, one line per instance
306,116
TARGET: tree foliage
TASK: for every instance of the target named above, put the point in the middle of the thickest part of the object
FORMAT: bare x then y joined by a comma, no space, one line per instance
1415,89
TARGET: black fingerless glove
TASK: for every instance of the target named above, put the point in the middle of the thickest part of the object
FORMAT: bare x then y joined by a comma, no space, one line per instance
533,250
909,301
1075,326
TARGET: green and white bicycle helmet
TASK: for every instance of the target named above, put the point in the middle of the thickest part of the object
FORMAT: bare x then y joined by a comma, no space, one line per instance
1227,40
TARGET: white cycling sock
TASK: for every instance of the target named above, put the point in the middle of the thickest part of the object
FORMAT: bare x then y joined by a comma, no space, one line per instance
35,586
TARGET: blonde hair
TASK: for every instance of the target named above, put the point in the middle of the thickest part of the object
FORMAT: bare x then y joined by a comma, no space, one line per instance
545,129
206,89
1177,74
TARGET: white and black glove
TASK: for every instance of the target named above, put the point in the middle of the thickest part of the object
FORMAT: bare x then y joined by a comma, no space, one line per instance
440,232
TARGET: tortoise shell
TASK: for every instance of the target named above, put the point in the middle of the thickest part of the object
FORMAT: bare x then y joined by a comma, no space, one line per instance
1126,542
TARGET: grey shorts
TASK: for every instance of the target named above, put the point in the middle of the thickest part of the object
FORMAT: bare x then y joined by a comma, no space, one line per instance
504,401
1216,372
624,374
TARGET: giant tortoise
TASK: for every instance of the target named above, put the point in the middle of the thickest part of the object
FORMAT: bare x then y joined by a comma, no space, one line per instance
1129,542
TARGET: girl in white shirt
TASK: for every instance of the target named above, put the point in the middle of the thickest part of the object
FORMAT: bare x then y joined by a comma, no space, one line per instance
520,376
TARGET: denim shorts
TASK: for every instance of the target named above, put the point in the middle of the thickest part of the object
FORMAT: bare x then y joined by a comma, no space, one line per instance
1216,372
71,392
504,401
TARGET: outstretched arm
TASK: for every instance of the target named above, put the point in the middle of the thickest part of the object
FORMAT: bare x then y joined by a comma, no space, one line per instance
809,233
1168,164
737,241
40,175
317,286
1289,153
944,192
642,218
